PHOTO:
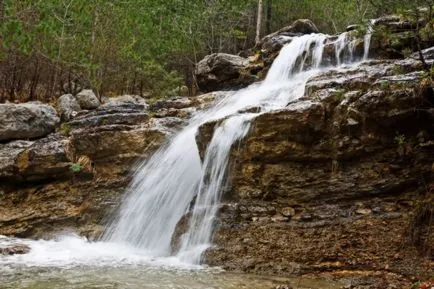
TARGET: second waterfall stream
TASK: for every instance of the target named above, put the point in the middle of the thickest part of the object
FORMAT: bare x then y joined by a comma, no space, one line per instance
175,181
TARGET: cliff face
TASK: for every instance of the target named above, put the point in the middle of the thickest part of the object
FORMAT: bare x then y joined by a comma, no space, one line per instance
340,179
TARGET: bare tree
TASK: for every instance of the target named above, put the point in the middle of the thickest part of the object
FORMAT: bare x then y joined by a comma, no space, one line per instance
258,22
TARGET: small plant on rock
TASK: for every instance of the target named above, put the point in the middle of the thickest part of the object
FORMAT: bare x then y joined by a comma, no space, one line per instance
76,168
404,147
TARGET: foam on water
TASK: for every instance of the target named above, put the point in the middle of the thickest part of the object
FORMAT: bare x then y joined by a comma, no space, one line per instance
72,251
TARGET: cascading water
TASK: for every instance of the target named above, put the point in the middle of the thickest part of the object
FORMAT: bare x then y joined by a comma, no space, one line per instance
164,187
367,38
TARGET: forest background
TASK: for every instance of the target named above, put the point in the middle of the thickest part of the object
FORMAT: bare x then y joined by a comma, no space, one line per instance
145,47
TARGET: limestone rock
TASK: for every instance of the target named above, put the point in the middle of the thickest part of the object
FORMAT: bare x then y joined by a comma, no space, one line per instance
26,121
87,99
117,134
220,71
68,107
34,160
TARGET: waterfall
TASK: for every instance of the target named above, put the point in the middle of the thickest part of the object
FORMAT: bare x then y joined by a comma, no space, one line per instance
367,38
174,181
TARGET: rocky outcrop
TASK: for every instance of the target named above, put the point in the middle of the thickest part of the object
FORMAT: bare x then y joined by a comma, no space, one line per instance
340,180
395,37
113,138
222,71
26,121
70,179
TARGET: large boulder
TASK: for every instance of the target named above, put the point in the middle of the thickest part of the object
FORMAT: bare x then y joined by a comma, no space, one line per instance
27,120
68,107
300,26
221,71
87,99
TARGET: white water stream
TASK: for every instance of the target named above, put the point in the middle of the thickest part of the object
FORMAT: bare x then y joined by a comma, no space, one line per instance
368,37
165,186
174,181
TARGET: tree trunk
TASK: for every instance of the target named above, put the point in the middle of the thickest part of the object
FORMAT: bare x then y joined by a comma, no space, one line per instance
269,16
258,22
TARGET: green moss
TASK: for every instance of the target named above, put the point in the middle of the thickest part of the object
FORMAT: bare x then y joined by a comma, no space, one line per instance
398,69
339,95
384,84
65,129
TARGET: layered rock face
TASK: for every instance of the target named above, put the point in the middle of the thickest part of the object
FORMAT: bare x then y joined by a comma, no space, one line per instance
341,179
59,177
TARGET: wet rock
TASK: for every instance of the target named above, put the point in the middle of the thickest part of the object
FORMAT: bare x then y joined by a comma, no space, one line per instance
68,107
271,44
87,99
27,120
48,209
16,249
223,71
205,100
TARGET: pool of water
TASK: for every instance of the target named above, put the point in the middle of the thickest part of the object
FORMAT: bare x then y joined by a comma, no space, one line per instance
142,277
71,262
